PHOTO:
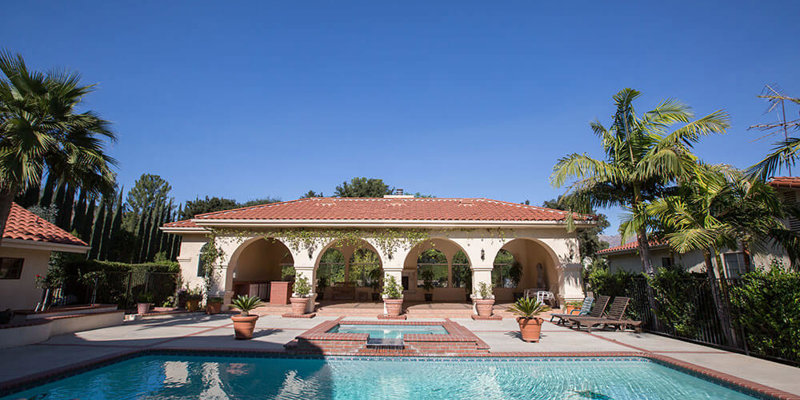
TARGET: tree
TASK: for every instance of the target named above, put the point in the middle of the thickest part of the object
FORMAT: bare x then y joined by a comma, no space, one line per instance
588,238
206,205
257,202
148,192
720,208
363,187
785,152
41,133
311,194
641,160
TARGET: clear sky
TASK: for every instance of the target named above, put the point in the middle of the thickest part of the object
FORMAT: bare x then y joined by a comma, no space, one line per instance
450,98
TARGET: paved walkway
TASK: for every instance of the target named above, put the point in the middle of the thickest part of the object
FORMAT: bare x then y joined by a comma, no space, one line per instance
197,331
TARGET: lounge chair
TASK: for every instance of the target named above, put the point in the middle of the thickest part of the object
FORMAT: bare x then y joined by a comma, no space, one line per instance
597,311
584,310
615,317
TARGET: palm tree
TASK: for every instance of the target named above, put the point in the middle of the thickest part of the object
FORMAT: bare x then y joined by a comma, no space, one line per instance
41,132
642,159
785,152
720,208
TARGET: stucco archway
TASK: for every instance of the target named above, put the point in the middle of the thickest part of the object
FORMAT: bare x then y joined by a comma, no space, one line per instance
357,270
536,266
255,264
452,278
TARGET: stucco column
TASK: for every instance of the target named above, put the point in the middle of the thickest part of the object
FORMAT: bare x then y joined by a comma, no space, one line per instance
309,272
571,282
347,253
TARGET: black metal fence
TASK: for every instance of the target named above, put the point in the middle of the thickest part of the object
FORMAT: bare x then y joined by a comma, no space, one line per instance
126,288
686,310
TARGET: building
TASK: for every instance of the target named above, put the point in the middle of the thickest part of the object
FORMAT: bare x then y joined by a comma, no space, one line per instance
735,262
457,239
25,251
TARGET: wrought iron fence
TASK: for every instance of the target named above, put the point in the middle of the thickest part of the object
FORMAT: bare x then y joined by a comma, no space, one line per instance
125,288
691,314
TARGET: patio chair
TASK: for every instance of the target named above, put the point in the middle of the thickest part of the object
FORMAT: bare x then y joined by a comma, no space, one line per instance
615,317
584,310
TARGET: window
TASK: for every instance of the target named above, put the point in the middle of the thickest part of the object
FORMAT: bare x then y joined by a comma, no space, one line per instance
432,266
666,262
10,268
734,264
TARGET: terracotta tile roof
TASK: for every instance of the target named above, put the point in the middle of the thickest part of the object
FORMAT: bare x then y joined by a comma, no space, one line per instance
629,247
25,225
186,223
785,182
422,209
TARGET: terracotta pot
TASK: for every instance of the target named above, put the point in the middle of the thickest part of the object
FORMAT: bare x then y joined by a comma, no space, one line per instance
213,308
243,326
484,307
299,305
530,328
142,308
569,309
192,305
394,307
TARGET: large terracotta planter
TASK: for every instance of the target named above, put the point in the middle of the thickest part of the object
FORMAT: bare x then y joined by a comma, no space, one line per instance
530,328
299,305
243,326
192,305
484,307
569,309
393,307
142,308
213,308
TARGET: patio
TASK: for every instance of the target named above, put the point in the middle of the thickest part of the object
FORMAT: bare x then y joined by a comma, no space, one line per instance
202,332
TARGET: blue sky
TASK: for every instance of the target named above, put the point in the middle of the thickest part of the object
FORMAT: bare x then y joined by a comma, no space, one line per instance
454,99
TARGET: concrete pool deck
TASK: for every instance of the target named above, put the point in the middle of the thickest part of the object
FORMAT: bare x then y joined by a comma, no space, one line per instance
203,332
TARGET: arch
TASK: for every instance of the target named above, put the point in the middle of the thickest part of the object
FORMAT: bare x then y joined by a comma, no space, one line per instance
256,263
439,254
357,266
524,263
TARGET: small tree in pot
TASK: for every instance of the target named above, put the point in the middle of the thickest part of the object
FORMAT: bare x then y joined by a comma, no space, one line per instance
322,284
144,301
244,323
214,305
483,299
392,297
300,298
427,282
527,310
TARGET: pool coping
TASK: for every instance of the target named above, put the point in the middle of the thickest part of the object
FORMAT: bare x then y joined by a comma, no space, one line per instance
729,381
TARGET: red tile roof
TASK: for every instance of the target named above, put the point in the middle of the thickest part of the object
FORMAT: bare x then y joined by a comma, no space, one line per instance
785,182
405,209
186,223
632,246
25,225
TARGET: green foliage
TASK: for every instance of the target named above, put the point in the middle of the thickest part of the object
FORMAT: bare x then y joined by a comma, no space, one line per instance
145,298
245,304
148,192
768,310
527,307
589,241
484,291
602,282
392,289
302,288
363,187
427,275
677,307
311,194
206,205
257,202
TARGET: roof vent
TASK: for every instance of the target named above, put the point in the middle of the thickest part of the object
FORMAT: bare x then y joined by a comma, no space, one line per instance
398,194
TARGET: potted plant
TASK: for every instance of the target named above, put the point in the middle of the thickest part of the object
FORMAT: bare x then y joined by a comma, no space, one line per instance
484,300
572,306
144,301
515,275
392,297
322,284
375,283
300,298
244,323
527,310
193,299
427,283
214,305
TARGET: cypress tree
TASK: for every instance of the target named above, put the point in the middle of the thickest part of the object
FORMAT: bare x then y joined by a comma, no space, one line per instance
152,239
106,242
80,212
97,231
61,193
47,195
87,222
144,235
116,226
65,208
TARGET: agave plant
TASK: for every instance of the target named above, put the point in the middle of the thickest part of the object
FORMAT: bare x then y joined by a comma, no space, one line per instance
245,304
527,307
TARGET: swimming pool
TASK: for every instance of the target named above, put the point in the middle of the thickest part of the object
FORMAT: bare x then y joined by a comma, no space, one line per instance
387,331
223,377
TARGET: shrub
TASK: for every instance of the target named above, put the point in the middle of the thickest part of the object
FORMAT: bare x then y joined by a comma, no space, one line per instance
484,291
301,286
391,289
677,298
767,308
245,304
526,307
602,282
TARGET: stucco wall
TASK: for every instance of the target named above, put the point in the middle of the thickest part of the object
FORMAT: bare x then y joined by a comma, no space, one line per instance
189,257
630,262
22,293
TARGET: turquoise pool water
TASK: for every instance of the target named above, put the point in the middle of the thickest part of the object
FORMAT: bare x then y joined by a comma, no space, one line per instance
389,331
207,377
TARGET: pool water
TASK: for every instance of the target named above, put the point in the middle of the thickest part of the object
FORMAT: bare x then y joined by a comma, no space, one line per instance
389,331
207,377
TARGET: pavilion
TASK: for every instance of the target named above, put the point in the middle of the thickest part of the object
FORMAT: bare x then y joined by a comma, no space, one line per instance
353,243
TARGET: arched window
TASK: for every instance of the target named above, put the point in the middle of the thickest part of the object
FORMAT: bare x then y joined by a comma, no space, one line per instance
432,265
365,268
507,270
331,267
462,275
